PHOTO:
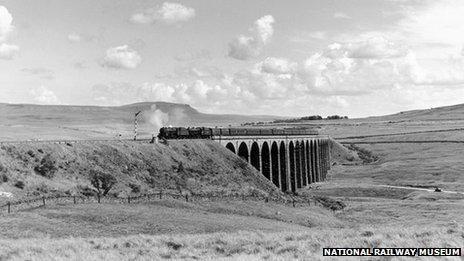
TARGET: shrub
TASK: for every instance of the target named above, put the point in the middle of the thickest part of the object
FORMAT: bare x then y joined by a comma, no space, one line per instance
135,188
46,167
20,184
330,203
86,191
4,178
43,188
31,153
102,182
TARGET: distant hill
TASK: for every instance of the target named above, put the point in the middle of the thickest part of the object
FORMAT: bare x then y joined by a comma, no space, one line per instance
454,112
30,121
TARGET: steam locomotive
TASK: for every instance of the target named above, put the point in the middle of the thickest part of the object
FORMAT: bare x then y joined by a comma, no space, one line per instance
207,133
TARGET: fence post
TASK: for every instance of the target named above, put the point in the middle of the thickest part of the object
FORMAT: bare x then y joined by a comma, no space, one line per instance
293,202
98,198
74,199
161,194
9,205
187,197
128,199
43,200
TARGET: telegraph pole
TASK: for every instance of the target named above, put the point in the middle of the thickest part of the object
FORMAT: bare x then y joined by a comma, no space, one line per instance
136,124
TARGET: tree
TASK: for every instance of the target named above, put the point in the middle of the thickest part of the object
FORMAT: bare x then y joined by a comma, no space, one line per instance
102,182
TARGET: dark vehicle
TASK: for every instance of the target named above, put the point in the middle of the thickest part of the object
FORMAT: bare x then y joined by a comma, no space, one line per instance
208,133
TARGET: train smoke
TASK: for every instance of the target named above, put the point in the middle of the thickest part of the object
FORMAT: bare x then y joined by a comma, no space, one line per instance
157,118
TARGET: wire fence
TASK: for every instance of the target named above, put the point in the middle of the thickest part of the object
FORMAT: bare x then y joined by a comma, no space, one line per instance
27,204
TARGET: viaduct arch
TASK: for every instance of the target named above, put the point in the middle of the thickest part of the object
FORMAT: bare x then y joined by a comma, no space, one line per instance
288,161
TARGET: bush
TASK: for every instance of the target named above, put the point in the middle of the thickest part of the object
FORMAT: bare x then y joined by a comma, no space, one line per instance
135,188
46,167
4,178
31,153
102,182
86,191
20,184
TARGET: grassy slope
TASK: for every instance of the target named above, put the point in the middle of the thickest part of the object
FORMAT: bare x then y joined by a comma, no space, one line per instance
208,167
162,217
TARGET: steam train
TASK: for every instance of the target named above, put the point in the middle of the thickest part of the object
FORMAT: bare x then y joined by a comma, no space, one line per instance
207,133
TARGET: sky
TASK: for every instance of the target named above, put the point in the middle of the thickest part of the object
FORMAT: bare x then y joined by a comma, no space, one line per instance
289,58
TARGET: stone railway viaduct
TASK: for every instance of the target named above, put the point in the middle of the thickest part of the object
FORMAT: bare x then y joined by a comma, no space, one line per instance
289,161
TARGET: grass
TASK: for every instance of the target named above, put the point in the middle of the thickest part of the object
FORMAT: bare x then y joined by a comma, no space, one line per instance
206,167
228,246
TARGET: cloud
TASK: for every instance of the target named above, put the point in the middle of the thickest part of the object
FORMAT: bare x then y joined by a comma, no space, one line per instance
74,37
277,66
43,95
43,73
341,15
168,13
376,47
122,57
6,20
8,51
245,47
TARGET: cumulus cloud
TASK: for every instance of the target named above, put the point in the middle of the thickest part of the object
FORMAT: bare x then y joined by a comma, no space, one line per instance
168,13
6,20
8,51
122,57
43,95
244,47
278,66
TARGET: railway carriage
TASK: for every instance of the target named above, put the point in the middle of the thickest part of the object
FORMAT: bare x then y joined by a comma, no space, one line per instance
208,133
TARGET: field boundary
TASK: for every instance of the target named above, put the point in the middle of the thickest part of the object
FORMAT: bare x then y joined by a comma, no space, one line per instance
402,141
27,204
397,134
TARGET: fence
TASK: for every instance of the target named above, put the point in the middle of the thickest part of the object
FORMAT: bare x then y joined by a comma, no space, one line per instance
149,197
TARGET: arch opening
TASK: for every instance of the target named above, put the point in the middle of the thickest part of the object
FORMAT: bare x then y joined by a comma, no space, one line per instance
265,161
231,147
308,163
291,150
317,171
283,167
275,163
254,156
243,151
298,164
313,161
303,163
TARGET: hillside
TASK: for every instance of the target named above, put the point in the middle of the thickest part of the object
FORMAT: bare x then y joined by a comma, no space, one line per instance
453,112
48,122
188,166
